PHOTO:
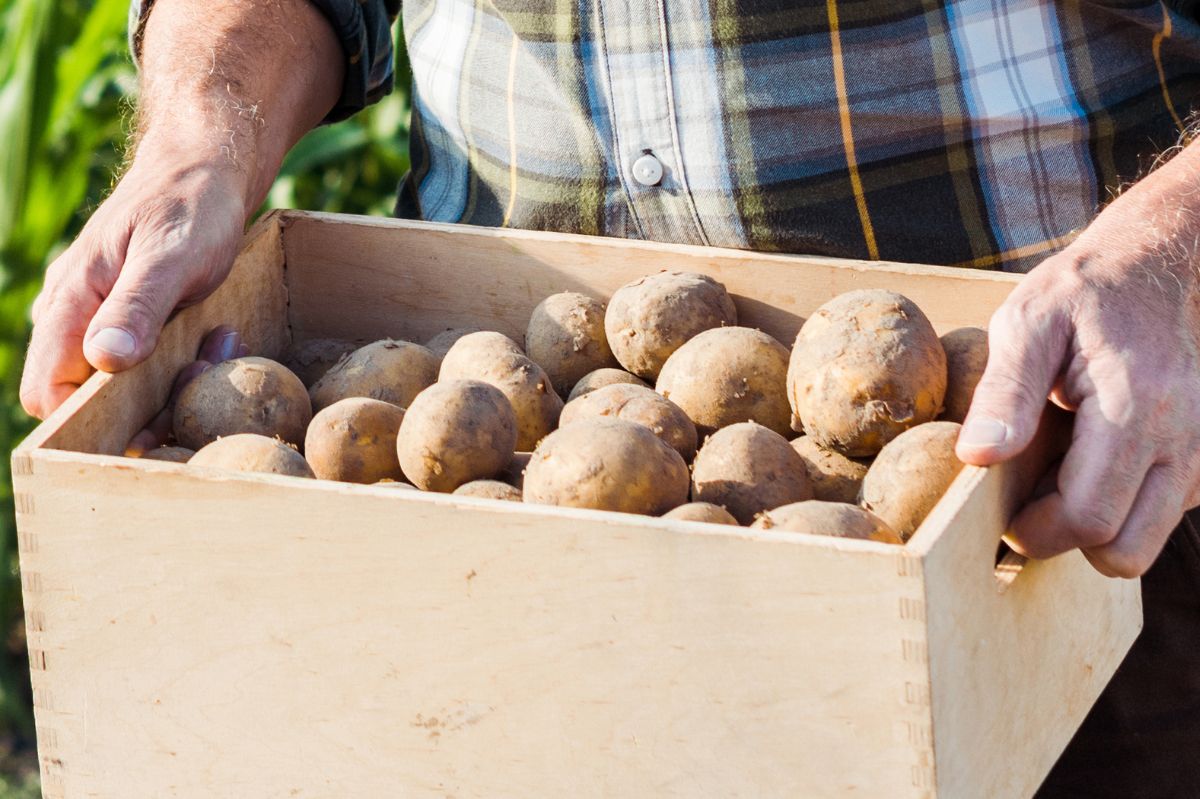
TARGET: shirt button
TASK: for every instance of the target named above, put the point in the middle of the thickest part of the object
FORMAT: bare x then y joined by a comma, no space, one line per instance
648,170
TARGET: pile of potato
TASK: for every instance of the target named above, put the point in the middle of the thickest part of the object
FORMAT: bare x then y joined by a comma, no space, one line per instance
672,409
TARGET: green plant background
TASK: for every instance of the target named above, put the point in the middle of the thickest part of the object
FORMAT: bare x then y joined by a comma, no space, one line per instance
67,90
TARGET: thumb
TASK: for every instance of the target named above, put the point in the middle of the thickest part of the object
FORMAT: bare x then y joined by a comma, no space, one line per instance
1027,348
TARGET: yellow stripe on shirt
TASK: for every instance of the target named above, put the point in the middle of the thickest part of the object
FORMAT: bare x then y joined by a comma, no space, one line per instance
1156,47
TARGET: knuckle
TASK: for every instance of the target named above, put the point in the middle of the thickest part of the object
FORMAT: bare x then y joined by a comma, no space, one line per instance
1090,522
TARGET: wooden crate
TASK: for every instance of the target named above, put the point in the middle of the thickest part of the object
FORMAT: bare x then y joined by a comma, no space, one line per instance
199,634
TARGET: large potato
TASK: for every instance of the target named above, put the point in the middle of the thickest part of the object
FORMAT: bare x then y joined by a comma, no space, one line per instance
489,489
601,378
701,512
729,375
608,464
455,432
354,441
312,358
566,338
834,477
387,370
653,316
911,474
867,365
966,357
748,469
638,404
496,360
250,452
242,395
440,344
828,518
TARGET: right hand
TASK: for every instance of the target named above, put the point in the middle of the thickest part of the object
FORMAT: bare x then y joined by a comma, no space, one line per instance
165,238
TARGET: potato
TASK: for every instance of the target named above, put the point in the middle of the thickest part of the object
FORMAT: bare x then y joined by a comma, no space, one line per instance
747,469
242,395
566,338
312,358
816,517
834,477
455,432
396,484
601,378
514,472
701,512
910,475
729,375
489,489
638,404
387,370
440,344
653,316
867,365
496,360
354,441
250,452
608,464
171,454
966,356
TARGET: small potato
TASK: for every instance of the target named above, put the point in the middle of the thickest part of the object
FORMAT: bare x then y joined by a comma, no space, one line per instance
748,469
440,344
396,484
827,518
312,358
354,441
250,452
496,360
601,378
489,489
653,316
243,395
455,432
637,404
966,356
834,477
387,370
729,375
171,454
701,512
867,365
607,464
911,474
514,472
566,338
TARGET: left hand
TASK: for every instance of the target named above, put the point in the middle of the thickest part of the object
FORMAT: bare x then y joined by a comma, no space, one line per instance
1109,328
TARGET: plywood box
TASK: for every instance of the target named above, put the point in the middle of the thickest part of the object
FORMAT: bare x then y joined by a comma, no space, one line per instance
199,634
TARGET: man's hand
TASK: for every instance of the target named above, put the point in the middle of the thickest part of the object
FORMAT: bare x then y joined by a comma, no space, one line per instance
1108,328
228,86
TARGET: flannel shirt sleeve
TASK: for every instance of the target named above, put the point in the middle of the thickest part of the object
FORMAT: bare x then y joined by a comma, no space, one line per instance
364,27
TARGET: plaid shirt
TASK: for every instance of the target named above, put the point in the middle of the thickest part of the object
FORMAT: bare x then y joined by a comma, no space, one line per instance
979,133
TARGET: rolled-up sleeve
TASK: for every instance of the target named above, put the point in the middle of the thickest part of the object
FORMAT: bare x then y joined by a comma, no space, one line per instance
364,27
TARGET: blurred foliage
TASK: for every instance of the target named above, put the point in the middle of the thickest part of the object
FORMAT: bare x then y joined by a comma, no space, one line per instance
66,84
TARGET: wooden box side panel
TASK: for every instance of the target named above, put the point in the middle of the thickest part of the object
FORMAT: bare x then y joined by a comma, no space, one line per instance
203,636
355,278
1014,667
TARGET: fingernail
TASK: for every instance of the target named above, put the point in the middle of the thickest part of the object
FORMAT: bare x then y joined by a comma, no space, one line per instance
229,346
114,341
983,433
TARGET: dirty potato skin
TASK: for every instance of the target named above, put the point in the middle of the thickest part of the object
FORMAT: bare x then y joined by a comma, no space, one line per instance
838,519
966,356
354,441
566,338
866,366
169,454
440,344
387,370
701,512
242,395
601,378
496,360
747,469
607,464
638,404
834,477
489,489
250,452
910,475
454,432
514,472
729,375
312,358
653,316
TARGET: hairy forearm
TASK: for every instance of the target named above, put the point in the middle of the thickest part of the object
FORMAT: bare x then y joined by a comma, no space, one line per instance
233,84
